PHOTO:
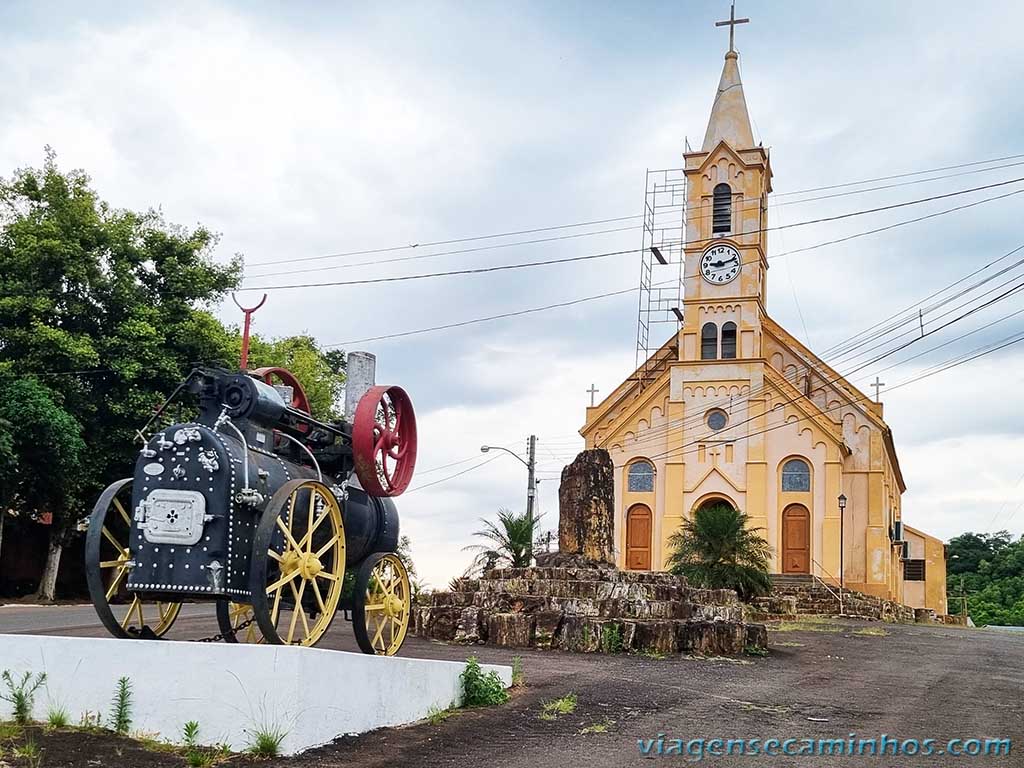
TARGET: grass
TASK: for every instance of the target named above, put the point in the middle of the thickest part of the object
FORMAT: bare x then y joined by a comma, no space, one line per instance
10,731
436,715
788,644
57,717
650,653
518,678
30,753
808,624
267,742
555,708
600,727
152,743
871,631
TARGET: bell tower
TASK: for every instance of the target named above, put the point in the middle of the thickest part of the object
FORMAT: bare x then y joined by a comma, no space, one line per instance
725,264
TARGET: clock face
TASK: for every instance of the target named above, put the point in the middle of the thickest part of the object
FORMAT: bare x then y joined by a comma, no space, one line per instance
720,264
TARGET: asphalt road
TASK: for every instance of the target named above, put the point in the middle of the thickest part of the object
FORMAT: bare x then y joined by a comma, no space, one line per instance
916,682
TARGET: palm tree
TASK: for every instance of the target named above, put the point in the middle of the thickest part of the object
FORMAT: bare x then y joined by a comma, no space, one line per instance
718,550
508,541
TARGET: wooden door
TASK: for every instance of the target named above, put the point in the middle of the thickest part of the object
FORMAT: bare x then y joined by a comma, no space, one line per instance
796,539
638,538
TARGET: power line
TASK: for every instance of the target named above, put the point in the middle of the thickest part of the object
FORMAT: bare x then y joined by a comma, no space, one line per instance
452,477
594,222
547,262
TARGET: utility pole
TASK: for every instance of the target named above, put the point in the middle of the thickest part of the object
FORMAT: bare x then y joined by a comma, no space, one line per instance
531,487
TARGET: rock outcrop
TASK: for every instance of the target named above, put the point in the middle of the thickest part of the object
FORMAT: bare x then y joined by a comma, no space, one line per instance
586,510
590,610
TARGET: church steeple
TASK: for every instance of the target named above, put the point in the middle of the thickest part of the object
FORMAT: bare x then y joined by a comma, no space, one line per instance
729,118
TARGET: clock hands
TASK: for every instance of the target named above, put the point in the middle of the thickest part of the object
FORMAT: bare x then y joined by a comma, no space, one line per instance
733,260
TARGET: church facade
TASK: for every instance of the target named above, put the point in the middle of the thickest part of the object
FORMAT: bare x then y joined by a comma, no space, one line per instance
733,408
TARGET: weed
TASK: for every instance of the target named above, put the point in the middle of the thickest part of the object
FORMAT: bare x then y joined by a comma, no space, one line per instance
650,653
871,631
121,712
754,650
152,742
57,717
266,741
601,727
9,731
479,689
805,625
21,694
555,708
30,753
90,721
436,715
518,678
611,638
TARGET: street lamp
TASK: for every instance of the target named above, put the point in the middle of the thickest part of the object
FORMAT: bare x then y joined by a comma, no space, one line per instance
842,538
531,484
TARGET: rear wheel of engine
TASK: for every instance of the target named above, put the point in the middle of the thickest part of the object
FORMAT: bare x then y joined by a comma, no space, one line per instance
107,564
298,564
381,604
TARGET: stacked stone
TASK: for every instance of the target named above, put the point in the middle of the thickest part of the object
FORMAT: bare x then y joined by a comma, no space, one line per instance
812,598
590,609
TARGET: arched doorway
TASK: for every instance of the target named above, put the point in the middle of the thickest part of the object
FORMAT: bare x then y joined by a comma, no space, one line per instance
638,538
796,539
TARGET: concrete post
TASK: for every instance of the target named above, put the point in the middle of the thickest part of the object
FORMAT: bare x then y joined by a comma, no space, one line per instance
360,375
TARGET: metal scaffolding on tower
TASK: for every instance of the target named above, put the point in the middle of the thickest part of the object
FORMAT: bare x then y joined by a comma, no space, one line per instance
661,265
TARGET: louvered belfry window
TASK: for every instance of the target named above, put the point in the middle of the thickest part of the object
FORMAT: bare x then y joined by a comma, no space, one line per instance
721,209
729,341
709,342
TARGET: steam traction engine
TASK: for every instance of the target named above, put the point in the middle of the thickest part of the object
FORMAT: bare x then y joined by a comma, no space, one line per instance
277,517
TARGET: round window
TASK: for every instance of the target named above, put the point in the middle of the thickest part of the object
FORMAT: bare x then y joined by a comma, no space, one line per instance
717,420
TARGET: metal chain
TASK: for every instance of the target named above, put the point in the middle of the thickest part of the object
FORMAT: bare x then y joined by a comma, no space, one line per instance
224,635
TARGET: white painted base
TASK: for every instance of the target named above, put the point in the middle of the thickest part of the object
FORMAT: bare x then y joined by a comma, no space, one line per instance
233,690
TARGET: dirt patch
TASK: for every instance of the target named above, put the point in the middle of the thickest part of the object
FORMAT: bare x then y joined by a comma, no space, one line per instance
73,748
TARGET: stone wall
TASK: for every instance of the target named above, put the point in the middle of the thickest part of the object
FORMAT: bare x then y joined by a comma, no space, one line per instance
815,599
589,610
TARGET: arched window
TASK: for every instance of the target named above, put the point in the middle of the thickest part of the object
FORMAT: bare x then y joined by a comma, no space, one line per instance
729,341
641,477
796,476
709,342
721,209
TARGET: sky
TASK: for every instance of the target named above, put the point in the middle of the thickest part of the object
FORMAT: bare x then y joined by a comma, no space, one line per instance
310,129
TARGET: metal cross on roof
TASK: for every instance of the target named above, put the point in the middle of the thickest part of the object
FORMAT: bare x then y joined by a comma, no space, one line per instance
731,24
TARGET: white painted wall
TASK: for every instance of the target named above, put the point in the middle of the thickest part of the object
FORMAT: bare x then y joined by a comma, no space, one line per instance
231,690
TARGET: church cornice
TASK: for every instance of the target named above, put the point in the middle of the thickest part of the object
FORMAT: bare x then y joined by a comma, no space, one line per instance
714,471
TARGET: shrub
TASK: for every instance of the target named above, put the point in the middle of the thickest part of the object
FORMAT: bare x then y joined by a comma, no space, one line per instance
479,689
121,709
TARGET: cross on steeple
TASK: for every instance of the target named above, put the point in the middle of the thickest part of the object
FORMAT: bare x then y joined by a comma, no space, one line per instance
592,391
731,24
878,384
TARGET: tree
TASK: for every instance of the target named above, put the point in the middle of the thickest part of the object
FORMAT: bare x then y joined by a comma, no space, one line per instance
718,550
107,310
991,569
321,372
508,541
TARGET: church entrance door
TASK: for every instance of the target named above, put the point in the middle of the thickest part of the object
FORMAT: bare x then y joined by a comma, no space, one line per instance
638,538
796,539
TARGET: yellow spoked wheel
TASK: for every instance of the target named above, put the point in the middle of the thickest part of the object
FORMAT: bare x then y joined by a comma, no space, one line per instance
108,561
298,563
381,604
237,623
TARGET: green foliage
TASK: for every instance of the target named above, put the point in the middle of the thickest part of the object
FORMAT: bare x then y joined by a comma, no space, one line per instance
508,541
30,753
518,678
598,727
989,569
479,689
555,708
266,741
198,756
611,638
121,709
754,650
436,715
21,694
321,372
121,298
57,717
717,549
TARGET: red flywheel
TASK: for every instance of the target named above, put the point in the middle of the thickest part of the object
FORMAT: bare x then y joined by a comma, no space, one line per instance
274,375
384,441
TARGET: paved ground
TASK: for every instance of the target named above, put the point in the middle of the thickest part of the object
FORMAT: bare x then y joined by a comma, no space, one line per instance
916,682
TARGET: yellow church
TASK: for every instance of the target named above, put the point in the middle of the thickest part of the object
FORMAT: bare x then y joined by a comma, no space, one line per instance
733,408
